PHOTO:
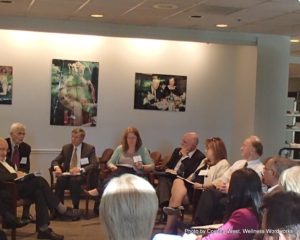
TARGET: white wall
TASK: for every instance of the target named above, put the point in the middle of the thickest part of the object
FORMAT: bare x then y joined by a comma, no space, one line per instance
221,94
210,86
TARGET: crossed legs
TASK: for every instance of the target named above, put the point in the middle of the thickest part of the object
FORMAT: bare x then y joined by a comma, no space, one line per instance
178,193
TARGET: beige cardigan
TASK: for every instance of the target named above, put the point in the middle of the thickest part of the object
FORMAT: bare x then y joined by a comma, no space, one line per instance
214,172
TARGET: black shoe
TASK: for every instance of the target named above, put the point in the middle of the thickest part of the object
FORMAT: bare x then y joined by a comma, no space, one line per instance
49,234
28,218
71,214
13,222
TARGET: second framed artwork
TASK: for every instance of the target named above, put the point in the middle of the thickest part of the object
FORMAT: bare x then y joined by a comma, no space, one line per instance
160,92
74,92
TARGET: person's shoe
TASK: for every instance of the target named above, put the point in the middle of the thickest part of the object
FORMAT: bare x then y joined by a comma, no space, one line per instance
173,211
13,222
72,214
87,194
28,218
49,234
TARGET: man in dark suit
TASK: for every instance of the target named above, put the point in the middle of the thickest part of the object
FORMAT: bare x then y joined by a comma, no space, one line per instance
38,190
72,165
183,162
18,154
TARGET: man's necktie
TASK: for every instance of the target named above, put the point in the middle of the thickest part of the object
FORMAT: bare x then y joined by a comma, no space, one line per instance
16,157
74,159
246,165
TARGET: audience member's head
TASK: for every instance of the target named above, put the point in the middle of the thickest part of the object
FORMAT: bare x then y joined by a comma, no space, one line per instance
245,191
17,132
3,149
78,135
128,208
215,150
190,141
131,137
281,217
274,166
290,179
252,148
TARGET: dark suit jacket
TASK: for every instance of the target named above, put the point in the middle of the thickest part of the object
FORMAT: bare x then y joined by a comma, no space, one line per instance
24,152
64,158
5,175
189,165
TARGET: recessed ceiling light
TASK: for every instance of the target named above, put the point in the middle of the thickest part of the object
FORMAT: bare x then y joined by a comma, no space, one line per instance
97,15
196,16
165,6
222,25
294,40
6,1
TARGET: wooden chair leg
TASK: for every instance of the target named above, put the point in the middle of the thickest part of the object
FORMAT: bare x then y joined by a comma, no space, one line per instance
86,206
13,234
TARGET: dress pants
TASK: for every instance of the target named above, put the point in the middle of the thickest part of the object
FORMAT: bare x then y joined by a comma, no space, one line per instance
73,183
210,207
38,190
163,189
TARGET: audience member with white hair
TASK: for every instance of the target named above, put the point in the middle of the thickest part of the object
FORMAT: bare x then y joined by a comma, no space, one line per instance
128,208
290,179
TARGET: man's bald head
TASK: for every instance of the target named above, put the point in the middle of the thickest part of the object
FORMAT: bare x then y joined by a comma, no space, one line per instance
190,141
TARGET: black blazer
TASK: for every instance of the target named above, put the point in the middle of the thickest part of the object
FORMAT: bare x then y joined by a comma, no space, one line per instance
64,158
24,152
189,165
5,175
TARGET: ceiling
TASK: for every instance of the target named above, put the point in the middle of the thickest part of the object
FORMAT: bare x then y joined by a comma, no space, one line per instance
250,16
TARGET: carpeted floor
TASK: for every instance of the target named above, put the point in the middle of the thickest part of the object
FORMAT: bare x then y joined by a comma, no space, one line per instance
87,228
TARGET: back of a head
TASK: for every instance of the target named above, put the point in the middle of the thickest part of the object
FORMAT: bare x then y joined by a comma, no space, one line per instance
282,210
245,190
290,179
128,208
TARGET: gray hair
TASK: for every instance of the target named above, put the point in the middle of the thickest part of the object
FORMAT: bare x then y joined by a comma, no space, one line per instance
290,179
17,126
128,208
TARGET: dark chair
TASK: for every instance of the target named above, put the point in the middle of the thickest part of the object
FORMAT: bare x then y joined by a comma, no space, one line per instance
15,202
104,170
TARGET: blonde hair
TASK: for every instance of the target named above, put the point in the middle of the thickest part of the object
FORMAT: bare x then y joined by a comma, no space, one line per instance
128,208
290,179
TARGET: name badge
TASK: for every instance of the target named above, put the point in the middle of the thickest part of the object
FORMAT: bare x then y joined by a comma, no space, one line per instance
23,160
137,159
84,161
203,173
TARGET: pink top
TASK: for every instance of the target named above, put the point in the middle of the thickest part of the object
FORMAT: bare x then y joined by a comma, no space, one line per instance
241,225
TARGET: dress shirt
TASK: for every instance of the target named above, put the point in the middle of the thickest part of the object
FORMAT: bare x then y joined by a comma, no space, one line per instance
272,188
190,154
256,165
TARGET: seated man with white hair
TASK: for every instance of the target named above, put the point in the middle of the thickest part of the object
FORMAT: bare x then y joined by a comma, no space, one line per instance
128,208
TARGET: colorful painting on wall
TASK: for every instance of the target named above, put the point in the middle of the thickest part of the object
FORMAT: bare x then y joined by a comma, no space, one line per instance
74,93
160,92
6,83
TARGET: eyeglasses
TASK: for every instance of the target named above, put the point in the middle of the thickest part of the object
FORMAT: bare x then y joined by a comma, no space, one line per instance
268,169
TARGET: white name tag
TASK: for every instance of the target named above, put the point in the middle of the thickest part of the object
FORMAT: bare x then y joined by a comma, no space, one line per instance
84,161
23,160
137,159
203,173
